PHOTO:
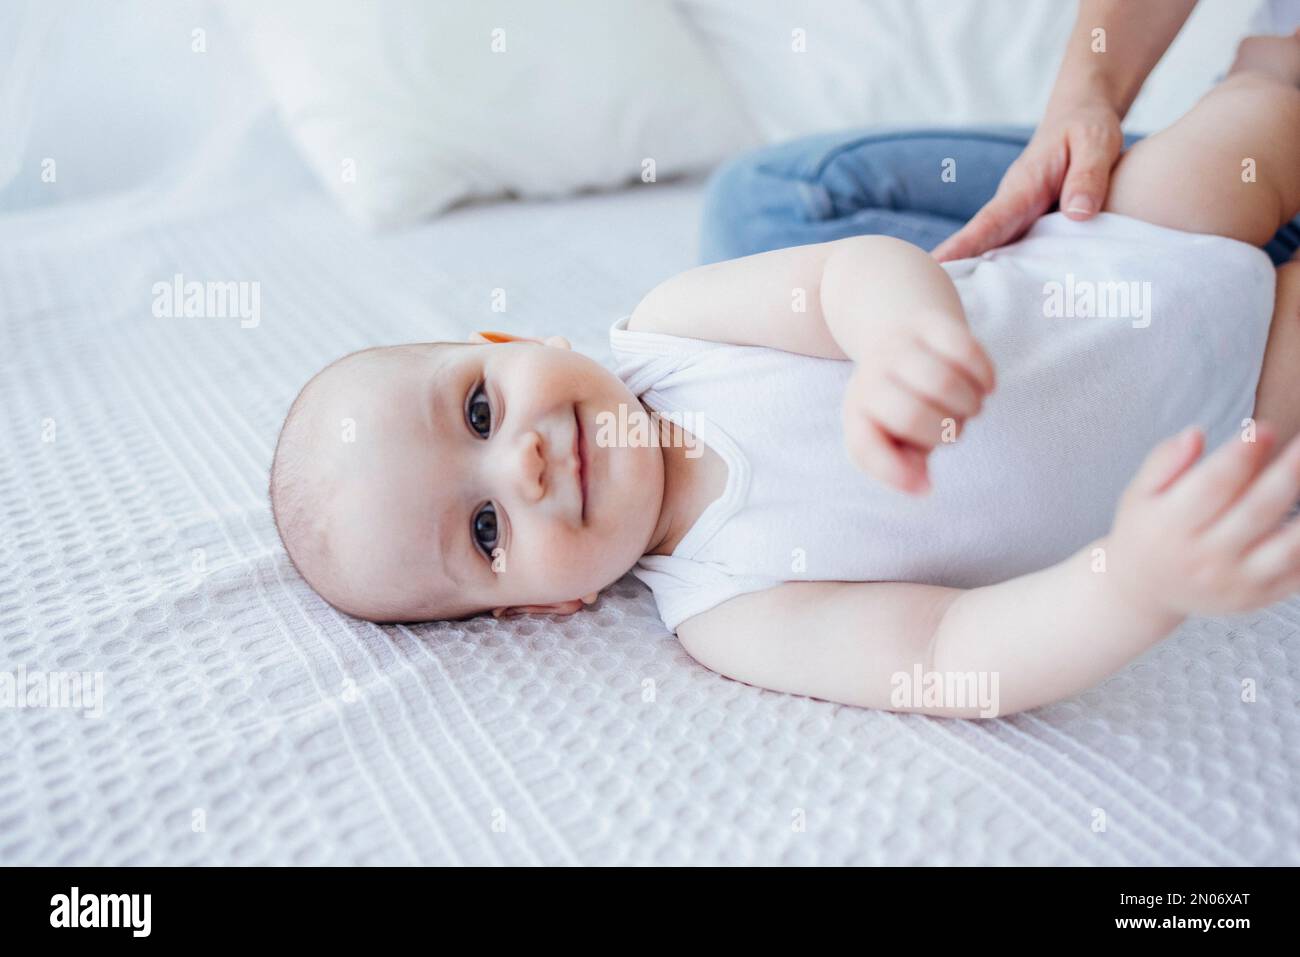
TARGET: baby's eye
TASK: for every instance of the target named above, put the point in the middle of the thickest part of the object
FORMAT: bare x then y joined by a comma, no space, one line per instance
485,527
479,412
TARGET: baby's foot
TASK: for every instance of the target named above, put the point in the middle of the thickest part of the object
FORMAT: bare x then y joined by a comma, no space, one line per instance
1278,57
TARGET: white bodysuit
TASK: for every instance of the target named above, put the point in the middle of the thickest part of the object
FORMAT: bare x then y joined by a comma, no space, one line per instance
1088,383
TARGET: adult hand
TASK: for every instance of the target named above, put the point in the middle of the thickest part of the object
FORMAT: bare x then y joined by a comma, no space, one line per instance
1069,158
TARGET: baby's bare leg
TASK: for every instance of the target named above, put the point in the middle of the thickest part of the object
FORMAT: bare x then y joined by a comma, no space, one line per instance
1231,166
1277,397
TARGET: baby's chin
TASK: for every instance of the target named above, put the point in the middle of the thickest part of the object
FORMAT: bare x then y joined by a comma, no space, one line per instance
625,494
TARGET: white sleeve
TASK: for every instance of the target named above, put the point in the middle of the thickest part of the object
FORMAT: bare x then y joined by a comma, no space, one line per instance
684,588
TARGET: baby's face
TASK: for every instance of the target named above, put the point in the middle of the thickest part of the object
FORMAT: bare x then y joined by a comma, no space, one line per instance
467,478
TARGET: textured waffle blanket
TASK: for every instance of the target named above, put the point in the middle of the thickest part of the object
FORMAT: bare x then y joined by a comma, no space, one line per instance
241,720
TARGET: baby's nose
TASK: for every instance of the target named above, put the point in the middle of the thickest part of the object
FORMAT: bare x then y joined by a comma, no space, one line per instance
529,467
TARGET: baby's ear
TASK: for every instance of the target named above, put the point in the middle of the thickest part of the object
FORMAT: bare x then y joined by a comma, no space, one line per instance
554,608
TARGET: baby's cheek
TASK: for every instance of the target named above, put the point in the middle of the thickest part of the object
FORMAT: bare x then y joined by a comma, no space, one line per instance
569,562
545,567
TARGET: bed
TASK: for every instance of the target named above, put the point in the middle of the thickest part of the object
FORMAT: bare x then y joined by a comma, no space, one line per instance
246,722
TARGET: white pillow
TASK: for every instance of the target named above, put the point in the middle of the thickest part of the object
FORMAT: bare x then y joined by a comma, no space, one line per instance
933,62
405,107
101,98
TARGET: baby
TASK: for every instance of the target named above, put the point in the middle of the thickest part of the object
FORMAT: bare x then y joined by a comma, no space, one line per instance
441,480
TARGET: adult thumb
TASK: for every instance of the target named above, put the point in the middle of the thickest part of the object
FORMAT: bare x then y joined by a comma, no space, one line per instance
1087,178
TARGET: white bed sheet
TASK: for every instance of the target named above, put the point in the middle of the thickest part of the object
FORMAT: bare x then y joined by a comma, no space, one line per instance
236,700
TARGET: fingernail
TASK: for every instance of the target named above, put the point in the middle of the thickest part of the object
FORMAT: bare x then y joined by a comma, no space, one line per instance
1081,204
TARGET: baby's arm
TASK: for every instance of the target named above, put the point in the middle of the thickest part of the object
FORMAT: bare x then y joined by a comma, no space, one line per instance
881,302
1034,639
1186,540
816,300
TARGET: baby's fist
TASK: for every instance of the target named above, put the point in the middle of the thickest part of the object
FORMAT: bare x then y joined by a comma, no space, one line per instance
922,382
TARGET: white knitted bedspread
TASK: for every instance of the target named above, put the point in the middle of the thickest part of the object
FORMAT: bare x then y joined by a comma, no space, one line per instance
244,721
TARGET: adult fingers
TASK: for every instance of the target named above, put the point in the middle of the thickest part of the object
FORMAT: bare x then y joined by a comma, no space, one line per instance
1093,151
999,221
1028,190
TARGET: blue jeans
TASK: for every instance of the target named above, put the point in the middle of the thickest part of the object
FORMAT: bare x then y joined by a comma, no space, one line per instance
833,185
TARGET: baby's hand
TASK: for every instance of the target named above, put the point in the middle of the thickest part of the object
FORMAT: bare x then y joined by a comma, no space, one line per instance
918,387
1210,539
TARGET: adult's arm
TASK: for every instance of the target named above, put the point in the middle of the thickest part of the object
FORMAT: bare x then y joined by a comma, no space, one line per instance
1079,139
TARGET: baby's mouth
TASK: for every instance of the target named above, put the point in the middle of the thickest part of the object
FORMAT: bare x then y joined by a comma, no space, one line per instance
580,452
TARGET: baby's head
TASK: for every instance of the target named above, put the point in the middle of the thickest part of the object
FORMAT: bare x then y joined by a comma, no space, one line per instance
440,480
